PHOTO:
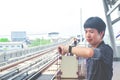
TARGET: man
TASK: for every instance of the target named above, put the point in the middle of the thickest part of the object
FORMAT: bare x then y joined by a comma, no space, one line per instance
99,57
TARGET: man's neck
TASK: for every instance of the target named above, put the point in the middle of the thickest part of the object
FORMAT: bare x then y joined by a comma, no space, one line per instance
96,45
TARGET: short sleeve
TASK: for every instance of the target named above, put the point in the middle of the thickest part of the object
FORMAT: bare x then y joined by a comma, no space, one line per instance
104,53
97,54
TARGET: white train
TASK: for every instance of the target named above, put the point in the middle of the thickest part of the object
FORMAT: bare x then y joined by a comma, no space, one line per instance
12,45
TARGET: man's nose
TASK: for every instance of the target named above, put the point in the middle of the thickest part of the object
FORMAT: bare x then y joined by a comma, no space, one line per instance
87,34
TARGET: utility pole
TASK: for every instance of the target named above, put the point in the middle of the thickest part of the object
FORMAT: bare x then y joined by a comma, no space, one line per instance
81,35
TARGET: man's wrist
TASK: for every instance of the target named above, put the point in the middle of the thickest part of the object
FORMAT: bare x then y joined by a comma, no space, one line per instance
70,49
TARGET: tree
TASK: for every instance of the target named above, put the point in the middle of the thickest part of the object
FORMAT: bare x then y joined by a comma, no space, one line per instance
4,40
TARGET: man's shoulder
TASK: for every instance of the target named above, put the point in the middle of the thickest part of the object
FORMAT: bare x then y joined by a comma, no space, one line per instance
106,46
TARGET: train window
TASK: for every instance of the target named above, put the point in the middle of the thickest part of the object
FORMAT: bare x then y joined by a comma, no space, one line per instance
12,46
1,46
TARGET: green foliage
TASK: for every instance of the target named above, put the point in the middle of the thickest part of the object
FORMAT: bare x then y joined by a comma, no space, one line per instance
38,42
4,40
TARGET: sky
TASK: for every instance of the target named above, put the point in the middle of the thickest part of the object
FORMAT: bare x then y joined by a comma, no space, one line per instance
44,16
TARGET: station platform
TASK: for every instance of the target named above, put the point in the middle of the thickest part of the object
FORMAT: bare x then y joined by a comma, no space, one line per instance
116,70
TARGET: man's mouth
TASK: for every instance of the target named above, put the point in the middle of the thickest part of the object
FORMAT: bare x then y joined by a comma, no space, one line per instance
89,40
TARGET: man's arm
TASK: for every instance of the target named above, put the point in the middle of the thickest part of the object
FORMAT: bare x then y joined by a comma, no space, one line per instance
79,51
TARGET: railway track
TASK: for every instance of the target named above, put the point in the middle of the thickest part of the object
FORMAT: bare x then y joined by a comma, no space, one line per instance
30,68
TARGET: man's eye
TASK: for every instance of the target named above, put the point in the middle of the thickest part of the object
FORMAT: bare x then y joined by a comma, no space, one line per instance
85,31
91,32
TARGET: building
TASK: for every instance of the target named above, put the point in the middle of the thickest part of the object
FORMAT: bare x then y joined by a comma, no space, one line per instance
18,36
53,35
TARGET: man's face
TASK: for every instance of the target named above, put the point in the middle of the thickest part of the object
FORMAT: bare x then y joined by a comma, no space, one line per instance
92,36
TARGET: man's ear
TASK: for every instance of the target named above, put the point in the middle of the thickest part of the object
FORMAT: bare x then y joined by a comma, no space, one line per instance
102,34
